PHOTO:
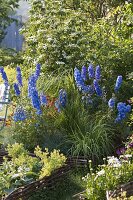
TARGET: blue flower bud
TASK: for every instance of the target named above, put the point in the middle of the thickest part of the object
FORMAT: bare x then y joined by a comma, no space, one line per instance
111,103
19,76
118,83
97,88
98,73
84,73
91,71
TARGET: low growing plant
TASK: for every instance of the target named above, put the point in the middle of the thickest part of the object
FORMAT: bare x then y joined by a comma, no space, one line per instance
23,168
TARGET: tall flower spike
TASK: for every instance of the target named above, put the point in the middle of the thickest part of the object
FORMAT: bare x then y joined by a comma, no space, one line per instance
36,101
97,88
4,76
118,83
38,71
31,85
16,89
62,97
79,80
91,71
84,73
19,76
98,73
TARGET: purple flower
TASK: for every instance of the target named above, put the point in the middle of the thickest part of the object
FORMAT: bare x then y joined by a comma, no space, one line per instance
97,88
111,103
84,73
98,73
118,83
16,89
91,71
19,76
121,151
4,76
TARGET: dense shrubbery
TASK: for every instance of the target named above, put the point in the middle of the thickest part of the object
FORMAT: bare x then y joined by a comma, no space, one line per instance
73,33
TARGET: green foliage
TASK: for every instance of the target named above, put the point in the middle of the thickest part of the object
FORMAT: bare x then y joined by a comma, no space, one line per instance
73,33
23,168
9,57
108,177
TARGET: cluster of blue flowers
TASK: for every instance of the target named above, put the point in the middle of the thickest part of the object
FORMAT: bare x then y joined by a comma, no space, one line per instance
61,101
32,90
81,77
19,115
4,76
123,109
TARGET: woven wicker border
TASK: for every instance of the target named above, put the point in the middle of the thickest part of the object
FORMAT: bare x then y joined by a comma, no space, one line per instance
127,187
25,191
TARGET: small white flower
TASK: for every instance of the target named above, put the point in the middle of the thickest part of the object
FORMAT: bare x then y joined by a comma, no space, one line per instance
100,173
114,162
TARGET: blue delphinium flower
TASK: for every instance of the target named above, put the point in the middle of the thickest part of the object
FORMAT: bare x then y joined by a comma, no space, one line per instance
38,71
91,71
31,85
16,89
61,101
98,73
19,76
62,97
19,115
4,76
123,109
79,80
36,101
97,88
118,83
84,73
111,103
43,99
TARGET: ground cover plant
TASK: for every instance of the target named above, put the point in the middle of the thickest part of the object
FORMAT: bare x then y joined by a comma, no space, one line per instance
23,168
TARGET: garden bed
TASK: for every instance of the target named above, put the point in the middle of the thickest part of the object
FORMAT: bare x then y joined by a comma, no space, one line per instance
46,182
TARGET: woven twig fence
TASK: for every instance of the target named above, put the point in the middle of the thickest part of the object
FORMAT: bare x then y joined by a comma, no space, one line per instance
126,188
25,191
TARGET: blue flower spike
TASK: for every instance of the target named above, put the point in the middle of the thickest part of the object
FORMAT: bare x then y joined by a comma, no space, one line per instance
98,73
19,76
118,83
91,71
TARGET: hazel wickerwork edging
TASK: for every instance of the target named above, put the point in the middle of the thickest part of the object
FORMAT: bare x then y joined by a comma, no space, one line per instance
46,182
